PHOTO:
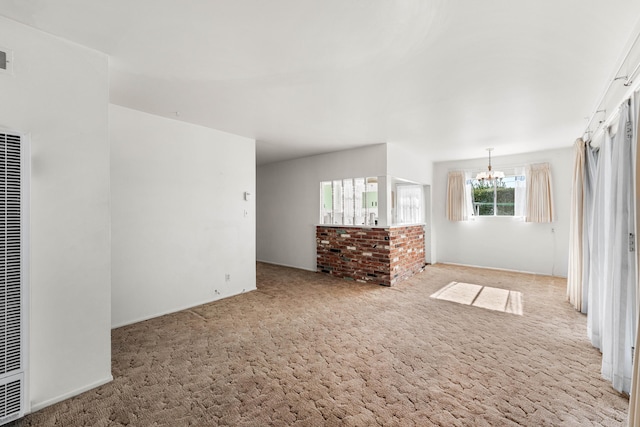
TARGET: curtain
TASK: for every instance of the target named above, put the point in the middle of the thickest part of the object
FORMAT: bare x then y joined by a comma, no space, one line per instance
620,292
634,398
599,217
611,320
520,192
409,204
457,197
539,197
574,277
590,171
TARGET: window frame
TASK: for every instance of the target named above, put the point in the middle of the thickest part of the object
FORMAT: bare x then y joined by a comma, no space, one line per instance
510,175
417,209
359,208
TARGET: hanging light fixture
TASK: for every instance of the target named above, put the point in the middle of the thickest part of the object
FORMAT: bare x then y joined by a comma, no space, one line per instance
489,175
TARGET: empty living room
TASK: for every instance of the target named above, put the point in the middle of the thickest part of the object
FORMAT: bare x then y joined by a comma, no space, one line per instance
319,213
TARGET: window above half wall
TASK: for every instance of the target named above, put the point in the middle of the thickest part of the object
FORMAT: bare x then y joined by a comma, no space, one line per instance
349,201
371,201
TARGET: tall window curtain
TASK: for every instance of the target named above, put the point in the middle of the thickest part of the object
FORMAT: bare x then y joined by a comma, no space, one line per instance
574,277
539,196
409,204
599,221
634,398
457,197
611,319
590,175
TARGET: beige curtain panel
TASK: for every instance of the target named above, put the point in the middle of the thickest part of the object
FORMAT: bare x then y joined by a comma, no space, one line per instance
539,195
574,276
456,197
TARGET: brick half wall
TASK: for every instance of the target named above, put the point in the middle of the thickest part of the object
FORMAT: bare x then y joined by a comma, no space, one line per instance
407,252
385,256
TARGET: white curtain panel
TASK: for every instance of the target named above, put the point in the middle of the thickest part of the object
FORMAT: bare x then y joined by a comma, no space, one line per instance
457,200
599,217
539,193
611,320
574,277
634,398
590,176
520,192
409,204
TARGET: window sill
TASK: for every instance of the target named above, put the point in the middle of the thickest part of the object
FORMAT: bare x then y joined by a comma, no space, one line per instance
497,218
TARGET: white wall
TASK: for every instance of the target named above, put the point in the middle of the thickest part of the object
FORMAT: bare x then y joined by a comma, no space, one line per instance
59,94
409,164
503,242
288,201
415,166
178,221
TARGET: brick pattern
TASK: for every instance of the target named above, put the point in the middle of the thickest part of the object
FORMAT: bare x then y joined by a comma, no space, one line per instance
407,252
385,256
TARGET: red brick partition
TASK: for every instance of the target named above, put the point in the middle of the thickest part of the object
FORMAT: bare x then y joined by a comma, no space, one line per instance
383,255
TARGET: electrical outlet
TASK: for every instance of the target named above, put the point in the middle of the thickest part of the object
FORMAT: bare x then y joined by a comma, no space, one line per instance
227,277
553,230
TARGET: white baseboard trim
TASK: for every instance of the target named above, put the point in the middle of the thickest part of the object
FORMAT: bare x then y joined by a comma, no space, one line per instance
175,310
500,269
40,405
285,265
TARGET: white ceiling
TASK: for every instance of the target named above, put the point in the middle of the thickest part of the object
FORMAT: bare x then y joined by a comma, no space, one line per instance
449,77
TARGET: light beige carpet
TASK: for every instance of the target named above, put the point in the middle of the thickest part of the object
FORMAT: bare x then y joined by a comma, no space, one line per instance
306,349
481,296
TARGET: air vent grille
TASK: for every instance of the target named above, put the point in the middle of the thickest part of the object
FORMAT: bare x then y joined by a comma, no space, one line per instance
10,399
10,253
11,279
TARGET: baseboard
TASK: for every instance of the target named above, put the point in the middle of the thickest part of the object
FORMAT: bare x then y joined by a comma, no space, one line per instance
500,269
176,310
37,406
286,265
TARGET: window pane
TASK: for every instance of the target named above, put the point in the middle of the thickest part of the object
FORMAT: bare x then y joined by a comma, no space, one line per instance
359,189
505,196
409,204
326,203
483,198
350,201
498,199
347,188
337,202
371,201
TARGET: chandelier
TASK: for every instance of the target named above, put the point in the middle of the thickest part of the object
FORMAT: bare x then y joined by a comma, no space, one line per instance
489,175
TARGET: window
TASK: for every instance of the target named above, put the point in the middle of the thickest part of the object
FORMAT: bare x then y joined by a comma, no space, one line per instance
351,201
500,197
409,201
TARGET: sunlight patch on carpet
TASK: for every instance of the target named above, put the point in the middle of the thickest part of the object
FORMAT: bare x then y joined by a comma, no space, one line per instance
482,296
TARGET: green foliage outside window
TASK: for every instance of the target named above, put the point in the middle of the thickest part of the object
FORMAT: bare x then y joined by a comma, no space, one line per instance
489,200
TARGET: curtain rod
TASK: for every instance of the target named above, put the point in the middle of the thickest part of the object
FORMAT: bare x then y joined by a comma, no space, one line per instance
500,166
628,82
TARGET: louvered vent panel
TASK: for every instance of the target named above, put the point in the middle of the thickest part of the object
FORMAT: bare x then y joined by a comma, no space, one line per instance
10,254
11,369
10,400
